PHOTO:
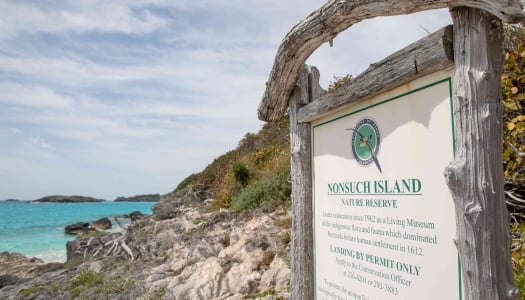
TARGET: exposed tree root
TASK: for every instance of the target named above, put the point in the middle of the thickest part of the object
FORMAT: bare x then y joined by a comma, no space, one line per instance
113,247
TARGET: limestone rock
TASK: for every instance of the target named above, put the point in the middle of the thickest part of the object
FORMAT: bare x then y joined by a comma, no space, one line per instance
136,215
15,268
101,224
78,228
218,255
277,276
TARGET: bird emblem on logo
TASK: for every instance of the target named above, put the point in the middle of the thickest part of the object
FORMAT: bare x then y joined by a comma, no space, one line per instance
365,142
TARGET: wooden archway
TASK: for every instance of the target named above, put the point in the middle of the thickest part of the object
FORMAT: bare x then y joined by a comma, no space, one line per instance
324,24
474,177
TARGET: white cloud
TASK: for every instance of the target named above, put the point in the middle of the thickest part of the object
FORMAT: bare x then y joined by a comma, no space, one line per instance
32,96
15,130
83,16
122,94
81,72
38,142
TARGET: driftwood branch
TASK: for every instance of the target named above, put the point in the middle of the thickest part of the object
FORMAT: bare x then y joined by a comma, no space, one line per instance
112,247
515,198
324,24
516,150
118,245
428,55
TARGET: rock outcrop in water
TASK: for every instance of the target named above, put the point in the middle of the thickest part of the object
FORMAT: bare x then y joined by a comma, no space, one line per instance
195,252
81,228
102,224
78,228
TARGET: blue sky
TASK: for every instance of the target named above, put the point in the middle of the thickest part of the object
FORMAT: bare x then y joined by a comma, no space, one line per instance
118,98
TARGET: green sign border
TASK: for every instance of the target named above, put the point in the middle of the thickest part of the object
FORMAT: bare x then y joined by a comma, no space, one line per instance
445,80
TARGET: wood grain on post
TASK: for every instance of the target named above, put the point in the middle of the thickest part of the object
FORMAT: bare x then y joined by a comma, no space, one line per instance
475,177
302,277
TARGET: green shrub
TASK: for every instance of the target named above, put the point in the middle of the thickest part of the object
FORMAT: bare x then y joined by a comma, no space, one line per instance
115,286
285,223
517,231
86,278
74,262
241,173
287,238
339,83
519,277
29,291
269,292
157,294
267,193
262,155
225,240
186,182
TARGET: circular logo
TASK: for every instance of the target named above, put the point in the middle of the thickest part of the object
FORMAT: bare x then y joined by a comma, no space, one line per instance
366,139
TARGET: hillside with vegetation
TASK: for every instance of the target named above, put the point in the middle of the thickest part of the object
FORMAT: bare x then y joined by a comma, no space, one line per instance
254,175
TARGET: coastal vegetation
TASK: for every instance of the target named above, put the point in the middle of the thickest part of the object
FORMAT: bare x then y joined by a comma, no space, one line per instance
513,98
255,175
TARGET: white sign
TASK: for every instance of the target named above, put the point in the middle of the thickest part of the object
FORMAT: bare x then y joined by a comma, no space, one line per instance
384,219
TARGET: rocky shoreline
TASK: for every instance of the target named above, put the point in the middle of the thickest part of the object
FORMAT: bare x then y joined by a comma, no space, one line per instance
16,268
186,250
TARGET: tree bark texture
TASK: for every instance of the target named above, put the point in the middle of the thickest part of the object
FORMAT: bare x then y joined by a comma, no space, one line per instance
324,24
475,177
428,55
302,277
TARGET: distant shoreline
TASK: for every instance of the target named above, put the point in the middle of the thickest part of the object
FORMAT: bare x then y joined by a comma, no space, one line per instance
140,198
67,199
85,199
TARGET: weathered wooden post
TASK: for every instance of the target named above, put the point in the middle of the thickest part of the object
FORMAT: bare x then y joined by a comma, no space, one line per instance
302,239
475,177
306,90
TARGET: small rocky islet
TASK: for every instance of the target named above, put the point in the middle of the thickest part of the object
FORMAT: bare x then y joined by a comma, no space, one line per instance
67,199
83,199
139,198
186,250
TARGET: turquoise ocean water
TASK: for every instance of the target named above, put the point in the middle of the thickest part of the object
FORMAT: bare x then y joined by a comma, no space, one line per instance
37,229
